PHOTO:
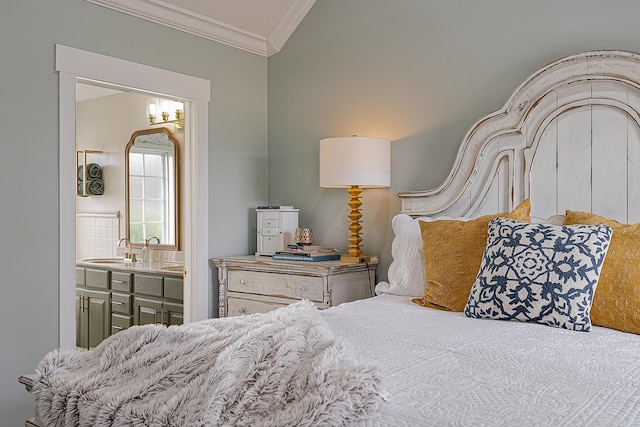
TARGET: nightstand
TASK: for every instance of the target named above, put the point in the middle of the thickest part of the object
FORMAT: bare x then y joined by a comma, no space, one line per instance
257,284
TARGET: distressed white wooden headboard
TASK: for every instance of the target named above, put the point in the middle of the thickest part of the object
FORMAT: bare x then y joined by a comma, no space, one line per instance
567,138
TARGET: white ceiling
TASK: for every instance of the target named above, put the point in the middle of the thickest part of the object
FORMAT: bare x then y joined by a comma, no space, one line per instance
258,26
86,92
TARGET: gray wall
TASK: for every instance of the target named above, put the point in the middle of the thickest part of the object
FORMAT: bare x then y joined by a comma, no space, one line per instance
419,73
29,29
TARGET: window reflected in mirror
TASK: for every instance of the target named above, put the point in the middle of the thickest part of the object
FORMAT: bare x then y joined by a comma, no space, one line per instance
151,168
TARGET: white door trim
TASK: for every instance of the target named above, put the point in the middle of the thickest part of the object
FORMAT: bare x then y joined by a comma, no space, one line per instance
72,63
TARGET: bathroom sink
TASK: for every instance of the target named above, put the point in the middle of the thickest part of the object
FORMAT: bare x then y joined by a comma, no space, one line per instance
104,260
174,268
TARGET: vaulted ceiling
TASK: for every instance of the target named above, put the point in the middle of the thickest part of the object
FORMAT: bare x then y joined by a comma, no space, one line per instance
258,26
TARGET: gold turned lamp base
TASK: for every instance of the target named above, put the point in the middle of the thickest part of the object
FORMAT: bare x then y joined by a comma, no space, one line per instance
354,254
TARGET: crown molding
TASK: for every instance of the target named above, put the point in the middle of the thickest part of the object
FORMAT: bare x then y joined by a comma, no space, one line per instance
287,25
181,19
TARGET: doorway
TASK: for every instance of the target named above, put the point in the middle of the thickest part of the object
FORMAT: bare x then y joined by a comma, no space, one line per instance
73,64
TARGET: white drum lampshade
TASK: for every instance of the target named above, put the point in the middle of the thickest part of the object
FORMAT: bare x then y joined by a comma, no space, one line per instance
355,160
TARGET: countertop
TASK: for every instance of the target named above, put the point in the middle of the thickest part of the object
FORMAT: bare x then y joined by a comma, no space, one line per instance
165,268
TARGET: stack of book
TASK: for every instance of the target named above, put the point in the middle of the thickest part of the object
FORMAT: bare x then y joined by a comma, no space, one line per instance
307,253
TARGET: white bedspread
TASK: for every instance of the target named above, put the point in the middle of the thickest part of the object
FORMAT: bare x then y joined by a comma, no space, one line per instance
443,369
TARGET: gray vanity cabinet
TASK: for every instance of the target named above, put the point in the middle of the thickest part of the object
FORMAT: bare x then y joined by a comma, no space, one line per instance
109,301
158,299
81,322
147,311
93,307
121,301
95,317
173,313
173,298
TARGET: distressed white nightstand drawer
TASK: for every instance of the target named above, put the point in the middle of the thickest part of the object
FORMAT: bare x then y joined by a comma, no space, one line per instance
283,285
241,306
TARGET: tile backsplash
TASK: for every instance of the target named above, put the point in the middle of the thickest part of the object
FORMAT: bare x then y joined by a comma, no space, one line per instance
97,234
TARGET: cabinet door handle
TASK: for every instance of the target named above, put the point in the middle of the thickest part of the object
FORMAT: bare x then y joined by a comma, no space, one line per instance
155,317
120,328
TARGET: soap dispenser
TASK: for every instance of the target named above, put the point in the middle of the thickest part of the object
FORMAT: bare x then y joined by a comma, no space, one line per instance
146,252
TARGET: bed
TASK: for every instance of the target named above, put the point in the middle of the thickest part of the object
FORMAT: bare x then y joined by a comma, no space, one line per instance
552,176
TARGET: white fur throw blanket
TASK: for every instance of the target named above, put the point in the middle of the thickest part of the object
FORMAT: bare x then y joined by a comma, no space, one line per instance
282,368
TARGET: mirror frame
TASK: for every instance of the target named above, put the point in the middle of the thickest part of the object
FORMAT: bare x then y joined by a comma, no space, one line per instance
176,145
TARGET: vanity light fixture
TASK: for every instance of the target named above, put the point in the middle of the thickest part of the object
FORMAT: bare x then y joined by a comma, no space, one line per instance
164,112
355,162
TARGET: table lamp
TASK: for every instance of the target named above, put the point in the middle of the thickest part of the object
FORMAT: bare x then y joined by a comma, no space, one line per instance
355,162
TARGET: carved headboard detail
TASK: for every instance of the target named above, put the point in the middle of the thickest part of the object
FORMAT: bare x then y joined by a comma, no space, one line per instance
568,138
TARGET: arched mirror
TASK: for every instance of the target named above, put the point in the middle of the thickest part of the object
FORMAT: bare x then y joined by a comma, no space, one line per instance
151,188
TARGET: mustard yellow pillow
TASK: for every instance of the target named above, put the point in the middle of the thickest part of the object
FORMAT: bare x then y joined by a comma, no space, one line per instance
616,303
452,254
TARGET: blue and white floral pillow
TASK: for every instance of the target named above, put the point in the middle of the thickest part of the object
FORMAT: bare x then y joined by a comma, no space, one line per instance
539,273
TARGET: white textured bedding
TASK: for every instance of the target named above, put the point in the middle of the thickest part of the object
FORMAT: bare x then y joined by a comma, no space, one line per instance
441,368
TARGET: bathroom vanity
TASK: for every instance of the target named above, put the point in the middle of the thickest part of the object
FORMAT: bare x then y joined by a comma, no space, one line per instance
113,295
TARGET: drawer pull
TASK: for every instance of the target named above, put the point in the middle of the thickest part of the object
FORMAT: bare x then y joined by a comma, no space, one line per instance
120,328
117,281
242,311
302,288
243,281
117,302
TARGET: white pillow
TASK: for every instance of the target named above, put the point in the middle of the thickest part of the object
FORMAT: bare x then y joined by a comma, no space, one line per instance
406,273
552,220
